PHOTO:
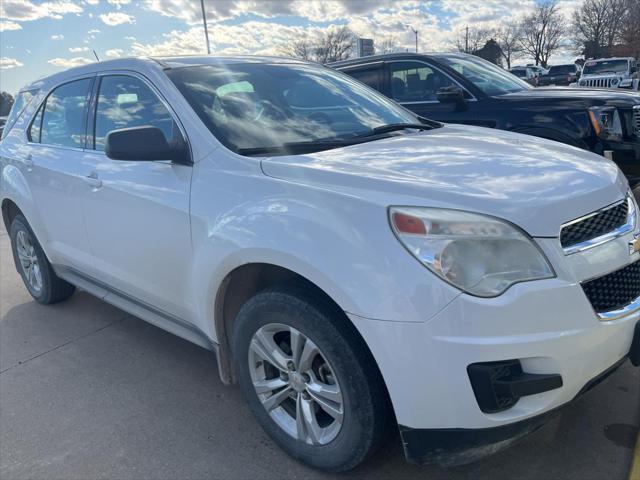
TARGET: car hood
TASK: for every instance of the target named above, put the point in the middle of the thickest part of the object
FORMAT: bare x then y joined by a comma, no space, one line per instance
534,183
571,95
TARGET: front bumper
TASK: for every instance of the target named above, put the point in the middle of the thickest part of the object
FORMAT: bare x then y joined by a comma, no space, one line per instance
548,326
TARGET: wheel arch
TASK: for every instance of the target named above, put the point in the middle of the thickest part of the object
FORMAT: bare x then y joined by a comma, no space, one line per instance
9,211
243,282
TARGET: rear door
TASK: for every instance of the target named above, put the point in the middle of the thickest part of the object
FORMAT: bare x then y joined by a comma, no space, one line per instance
137,214
52,164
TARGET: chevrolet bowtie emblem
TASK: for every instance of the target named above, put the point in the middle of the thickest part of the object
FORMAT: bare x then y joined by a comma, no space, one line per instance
634,245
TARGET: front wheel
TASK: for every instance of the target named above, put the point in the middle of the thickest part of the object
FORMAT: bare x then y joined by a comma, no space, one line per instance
309,380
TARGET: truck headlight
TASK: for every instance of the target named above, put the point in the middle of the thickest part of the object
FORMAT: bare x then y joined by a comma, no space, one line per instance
478,254
606,122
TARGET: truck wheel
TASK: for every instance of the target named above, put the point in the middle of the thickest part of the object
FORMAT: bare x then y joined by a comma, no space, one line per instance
34,267
309,380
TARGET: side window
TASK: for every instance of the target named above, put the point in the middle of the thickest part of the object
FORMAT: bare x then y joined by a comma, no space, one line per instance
22,100
64,116
368,76
125,102
34,130
416,82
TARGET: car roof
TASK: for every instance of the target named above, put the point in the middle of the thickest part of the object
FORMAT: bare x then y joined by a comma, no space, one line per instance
144,63
394,56
608,59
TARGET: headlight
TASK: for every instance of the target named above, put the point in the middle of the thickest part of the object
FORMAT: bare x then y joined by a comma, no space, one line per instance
478,254
606,122
614,81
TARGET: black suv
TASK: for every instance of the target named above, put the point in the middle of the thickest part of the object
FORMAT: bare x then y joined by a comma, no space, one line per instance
561,75
460,88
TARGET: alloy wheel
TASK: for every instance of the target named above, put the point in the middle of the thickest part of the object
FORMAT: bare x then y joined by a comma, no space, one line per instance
29,260
296,384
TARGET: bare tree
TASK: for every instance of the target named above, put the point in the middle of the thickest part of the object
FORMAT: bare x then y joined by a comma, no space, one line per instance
508,37
542,32
332,45
470,40
302,49
596,24
629,27
388,44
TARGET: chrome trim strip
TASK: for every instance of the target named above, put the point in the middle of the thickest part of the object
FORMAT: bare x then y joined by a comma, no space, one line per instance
628,227
633,307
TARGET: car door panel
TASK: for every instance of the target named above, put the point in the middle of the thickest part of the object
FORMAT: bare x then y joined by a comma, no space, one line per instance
137,212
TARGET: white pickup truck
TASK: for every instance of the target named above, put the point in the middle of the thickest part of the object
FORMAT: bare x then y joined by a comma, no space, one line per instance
619,72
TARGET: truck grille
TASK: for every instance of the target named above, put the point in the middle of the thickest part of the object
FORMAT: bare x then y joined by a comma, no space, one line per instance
614,291
596,82
595,226
636,119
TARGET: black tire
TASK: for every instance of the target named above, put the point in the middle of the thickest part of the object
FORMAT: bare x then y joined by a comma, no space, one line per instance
368,415
52,288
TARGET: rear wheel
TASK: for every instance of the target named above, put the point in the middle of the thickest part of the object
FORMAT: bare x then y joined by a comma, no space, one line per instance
309,380
34,267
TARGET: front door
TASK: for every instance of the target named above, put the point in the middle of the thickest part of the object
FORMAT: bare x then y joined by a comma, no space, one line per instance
137,212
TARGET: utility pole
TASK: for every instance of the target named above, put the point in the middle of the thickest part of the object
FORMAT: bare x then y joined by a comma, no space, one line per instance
466,40
415,32
206,30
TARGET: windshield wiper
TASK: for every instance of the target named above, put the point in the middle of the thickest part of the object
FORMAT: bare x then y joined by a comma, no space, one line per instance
296,147
394,127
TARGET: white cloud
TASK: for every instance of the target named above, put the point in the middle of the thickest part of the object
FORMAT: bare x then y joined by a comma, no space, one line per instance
7,63
93,31
57,37
9,26
25,10
114,52
116,18
69,62
92,2
119,3
131,39
78,49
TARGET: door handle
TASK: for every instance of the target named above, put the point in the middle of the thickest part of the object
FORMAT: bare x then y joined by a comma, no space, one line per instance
93,180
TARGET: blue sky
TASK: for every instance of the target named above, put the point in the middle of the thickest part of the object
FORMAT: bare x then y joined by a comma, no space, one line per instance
42,37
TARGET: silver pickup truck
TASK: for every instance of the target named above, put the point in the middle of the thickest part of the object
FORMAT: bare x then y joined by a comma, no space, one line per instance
619,72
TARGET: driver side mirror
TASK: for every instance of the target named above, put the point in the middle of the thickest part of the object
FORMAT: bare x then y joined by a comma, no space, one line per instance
145,144
452,94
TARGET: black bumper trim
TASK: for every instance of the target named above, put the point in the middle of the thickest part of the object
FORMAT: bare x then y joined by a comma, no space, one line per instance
459,446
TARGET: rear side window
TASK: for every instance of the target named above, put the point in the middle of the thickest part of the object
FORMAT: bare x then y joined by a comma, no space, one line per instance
368,76
22,100
416,82
125,102
61,119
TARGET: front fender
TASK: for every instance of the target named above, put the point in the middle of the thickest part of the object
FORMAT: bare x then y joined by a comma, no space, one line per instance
341,243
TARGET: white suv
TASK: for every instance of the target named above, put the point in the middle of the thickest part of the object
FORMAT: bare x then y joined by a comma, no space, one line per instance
353,266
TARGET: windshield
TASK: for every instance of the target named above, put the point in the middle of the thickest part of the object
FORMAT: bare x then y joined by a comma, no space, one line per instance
261,106
489,78
562,69
607,66
519,73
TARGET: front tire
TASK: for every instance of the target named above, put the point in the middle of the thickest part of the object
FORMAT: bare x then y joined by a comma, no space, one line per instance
309,380
33,266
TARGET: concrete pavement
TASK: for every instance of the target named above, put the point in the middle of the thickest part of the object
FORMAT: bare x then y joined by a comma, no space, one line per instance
88,391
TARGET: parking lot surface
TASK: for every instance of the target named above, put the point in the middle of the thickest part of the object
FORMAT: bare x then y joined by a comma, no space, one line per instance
88,391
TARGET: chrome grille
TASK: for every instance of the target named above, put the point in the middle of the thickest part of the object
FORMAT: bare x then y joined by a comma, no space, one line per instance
595,225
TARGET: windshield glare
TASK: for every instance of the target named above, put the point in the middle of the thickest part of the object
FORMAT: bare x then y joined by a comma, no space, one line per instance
489,78
257,105
608,66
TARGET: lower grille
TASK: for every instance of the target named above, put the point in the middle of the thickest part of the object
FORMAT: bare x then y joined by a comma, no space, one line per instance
614,291
596,82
